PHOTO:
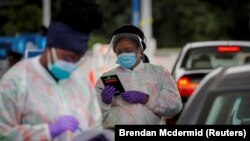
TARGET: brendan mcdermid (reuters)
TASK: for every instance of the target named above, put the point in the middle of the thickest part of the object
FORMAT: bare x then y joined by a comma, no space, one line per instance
161,132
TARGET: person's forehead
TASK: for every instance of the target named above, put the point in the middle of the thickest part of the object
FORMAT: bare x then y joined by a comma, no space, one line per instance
126,42
67,52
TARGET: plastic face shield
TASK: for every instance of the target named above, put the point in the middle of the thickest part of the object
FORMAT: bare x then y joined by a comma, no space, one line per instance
136,82
117,37
111,57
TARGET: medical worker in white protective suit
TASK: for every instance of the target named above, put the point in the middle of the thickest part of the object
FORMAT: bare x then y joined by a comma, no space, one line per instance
150,91
43,98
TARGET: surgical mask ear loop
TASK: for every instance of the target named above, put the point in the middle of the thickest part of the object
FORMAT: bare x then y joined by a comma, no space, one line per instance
54,55
49,59
139,55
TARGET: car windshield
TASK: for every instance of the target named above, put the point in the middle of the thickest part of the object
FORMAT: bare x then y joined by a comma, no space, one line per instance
212,57
230,108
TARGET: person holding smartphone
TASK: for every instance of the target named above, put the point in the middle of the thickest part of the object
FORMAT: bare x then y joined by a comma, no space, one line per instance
150,91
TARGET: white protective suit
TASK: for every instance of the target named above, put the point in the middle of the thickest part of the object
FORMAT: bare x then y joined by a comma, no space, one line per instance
30,99
154,80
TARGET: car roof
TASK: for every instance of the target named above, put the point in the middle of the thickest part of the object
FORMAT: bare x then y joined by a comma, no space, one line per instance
217,43
237,77
227,79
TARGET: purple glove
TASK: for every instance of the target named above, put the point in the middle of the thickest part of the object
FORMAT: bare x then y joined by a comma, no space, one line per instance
107,94
134,96
62,124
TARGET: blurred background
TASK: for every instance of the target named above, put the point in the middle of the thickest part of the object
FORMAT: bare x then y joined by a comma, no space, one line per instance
173,22
168,24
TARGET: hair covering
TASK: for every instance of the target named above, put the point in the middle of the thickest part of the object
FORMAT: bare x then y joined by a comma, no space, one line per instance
131,29
63,36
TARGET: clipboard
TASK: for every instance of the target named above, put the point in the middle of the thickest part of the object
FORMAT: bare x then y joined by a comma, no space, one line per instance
113,80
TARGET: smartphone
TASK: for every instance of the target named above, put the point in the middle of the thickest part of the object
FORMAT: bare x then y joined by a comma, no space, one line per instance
113,80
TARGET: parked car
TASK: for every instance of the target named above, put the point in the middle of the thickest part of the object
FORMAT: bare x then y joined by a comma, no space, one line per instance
197,59
223,97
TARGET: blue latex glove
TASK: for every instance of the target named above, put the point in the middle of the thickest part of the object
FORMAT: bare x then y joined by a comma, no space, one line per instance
108,94
63,124
133,96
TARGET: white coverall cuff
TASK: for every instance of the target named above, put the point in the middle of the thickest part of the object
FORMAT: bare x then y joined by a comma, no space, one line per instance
46,126
150,103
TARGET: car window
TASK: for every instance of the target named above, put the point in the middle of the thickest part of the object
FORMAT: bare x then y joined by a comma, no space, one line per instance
229,108
210,58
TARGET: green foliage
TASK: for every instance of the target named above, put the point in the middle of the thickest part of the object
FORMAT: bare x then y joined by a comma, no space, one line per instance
96,38
175,22
115,14
27,19
179,22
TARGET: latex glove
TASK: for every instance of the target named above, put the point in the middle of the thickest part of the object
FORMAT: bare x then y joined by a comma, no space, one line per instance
134,97
107,94
63,124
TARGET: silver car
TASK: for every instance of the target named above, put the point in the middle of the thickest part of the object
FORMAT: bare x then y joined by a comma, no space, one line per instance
223,97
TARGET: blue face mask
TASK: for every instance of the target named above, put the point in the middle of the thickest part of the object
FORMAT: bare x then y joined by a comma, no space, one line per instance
126,60
61,69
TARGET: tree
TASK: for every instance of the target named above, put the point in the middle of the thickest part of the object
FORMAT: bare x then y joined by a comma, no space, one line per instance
179,22
174,22
28,19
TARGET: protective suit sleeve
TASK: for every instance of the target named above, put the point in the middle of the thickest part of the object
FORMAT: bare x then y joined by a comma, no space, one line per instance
104,107
168,102
96,115
12,105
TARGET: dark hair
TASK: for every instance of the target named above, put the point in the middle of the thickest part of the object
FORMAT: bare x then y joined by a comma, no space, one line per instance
131,29
145,58
82,15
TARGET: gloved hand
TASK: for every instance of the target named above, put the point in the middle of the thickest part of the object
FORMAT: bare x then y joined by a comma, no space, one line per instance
107,94
62,124
134,97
